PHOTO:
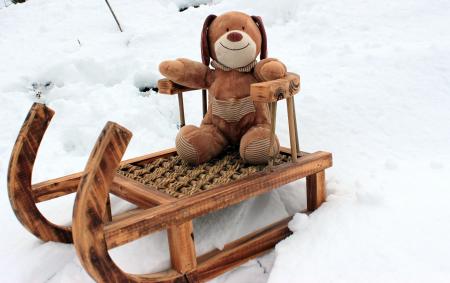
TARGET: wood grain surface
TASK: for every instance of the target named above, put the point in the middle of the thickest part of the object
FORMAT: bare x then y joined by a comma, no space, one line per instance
19,177
275,90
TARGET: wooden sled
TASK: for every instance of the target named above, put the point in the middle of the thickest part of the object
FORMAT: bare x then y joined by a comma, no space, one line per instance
94,230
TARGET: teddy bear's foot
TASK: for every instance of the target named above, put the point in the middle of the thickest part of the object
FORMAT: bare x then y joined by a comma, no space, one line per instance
198,145
255,145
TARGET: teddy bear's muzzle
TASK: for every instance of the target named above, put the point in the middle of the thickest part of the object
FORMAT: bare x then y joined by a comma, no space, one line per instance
234,36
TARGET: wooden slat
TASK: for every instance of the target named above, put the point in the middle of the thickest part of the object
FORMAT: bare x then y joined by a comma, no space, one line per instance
137,193
19,177
54,188
166,86
123,187
237,252
127,213
150,157
120,232
275,90
315,190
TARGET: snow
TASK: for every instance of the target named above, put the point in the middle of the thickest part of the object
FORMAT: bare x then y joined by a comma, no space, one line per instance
5,3
374,93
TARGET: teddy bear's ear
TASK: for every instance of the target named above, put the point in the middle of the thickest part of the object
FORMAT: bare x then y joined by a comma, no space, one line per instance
262,30
204,43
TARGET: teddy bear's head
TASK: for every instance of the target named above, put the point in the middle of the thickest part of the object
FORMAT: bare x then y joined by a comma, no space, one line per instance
233,39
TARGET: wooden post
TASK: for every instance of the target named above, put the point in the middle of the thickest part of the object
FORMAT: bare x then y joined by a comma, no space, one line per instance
296,128
204,102
291,121
181,107
315,190
273,117
182,247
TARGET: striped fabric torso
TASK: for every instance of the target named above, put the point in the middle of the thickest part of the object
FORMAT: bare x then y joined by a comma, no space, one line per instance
232,111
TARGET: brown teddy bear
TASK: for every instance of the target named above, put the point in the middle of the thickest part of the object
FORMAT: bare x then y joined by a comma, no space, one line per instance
233,41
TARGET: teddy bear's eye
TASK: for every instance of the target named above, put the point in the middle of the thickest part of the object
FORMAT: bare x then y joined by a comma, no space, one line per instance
228,29
243,28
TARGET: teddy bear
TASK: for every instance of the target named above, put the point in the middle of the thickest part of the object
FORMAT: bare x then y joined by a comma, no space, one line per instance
231,42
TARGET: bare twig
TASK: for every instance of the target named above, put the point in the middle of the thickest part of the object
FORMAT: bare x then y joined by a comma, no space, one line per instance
114,15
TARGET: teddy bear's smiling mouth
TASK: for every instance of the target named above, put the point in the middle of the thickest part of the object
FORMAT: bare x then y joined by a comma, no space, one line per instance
235,49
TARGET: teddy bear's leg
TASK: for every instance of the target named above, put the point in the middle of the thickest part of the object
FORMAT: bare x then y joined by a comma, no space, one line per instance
254,147
197,145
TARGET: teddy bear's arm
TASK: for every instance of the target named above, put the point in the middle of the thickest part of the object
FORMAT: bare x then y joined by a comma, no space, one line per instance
187,73
269,69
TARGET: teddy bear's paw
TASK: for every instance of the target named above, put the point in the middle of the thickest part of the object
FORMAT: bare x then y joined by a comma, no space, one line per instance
198,145
273,70
257,152
172,69
255,146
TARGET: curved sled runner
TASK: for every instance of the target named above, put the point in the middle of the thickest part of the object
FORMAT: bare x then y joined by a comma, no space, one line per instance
94,231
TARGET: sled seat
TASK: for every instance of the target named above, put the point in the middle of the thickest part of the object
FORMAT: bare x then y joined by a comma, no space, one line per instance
173,176
168,194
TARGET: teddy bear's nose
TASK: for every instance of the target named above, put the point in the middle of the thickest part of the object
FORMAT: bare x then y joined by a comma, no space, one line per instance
234,36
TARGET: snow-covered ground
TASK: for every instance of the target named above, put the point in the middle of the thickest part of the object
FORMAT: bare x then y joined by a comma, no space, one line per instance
5,3
375,93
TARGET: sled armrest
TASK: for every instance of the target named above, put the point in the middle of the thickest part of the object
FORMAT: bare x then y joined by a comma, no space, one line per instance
166,86
275,90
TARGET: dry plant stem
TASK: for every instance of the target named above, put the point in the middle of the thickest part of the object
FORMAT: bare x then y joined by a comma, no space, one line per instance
114,15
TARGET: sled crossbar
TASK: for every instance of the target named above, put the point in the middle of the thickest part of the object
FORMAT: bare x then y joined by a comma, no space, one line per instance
62,186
